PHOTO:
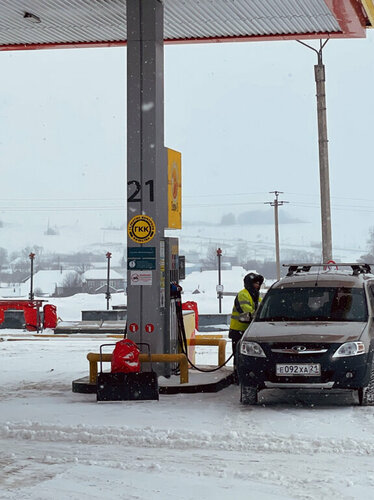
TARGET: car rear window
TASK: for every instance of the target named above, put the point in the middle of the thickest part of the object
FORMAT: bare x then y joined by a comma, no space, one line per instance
313,304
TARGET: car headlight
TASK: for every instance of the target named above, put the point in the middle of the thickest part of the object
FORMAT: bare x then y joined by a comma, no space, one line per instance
251,349
350,349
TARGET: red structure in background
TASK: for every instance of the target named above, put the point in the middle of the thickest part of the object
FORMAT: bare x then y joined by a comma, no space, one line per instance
49,316
192,306
33,313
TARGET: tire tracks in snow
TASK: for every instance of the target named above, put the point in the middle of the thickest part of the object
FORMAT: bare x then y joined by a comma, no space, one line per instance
30,468
26,389
151,437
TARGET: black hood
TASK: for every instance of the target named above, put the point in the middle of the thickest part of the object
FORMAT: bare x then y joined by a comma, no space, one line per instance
251,278
254,293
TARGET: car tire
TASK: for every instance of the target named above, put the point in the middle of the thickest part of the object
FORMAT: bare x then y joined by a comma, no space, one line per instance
248,395
366,394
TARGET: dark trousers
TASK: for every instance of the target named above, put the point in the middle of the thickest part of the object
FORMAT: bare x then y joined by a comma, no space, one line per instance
235,336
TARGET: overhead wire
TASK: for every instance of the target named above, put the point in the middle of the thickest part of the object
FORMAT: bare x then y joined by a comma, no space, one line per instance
6,207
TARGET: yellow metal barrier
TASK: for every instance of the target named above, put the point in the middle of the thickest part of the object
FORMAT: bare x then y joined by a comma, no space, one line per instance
94,358
209,336
221,343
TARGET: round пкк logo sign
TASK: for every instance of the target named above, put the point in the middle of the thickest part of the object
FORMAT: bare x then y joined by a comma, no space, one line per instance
141,228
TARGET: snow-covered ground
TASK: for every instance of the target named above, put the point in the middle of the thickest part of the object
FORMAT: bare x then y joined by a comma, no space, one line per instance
56,444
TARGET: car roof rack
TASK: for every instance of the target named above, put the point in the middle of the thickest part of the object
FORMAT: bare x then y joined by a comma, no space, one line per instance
357,267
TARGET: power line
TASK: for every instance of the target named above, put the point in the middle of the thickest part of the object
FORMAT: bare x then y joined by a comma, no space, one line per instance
185,197
60,209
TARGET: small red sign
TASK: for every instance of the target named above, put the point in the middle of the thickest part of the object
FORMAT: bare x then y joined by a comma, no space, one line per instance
133,327
149,327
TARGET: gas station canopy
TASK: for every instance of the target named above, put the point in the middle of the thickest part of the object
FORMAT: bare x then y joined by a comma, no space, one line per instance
38,24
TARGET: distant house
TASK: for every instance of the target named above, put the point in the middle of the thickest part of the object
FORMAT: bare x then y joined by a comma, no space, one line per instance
95,281
13,290
51,282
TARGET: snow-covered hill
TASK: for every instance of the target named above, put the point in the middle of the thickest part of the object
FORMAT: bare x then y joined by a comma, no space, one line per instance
93,232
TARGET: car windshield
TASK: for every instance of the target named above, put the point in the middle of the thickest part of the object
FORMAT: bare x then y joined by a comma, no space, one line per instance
313,304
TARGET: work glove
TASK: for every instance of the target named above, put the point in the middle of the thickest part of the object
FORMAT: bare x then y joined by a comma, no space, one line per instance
245,317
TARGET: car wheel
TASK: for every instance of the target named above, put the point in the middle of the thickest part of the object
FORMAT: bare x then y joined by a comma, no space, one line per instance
366,394
248,395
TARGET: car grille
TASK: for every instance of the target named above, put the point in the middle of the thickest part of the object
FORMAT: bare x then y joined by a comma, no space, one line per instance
299,353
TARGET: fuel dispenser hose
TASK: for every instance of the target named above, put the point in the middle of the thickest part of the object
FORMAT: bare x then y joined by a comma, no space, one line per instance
176,293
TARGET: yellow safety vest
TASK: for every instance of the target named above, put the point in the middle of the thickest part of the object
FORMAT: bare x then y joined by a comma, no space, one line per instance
246,303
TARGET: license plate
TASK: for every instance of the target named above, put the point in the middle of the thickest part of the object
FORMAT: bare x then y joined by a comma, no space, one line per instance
297,370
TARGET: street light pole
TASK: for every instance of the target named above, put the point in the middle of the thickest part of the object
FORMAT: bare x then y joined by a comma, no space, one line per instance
31,294
107,295
276,203
324,178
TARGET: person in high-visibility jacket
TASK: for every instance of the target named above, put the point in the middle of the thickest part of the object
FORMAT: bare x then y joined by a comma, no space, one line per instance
245,305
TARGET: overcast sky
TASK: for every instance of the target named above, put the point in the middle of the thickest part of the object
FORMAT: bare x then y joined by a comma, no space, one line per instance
242,114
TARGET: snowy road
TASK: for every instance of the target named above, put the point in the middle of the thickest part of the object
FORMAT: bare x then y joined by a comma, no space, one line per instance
60,445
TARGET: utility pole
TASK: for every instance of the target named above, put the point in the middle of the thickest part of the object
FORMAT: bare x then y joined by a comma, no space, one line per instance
276,203
319,74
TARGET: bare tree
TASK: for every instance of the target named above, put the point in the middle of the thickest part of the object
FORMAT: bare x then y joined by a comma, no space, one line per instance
242,251
210,261
369,257
3,257
228,220
72,280
71,284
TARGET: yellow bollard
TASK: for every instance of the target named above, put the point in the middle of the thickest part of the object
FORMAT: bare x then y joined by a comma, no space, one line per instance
94,358
221,343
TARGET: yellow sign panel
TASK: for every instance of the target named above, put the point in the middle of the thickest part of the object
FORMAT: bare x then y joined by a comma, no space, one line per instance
369,8
141,228
174,189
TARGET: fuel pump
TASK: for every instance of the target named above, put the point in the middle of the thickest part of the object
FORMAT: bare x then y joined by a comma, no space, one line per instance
172,277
